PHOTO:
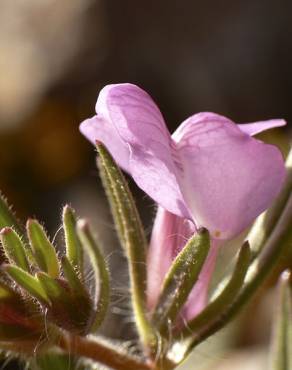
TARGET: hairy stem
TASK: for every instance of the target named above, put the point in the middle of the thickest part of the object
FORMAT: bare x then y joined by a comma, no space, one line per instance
101,351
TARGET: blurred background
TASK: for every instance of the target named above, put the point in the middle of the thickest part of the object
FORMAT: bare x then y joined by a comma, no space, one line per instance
229,57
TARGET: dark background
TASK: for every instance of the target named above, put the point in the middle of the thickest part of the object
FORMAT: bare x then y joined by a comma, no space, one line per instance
229,57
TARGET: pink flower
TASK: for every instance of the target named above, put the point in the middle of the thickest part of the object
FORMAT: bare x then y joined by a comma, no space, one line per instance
210,172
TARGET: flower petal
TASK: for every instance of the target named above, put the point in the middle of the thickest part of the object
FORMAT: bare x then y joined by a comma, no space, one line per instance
141,126
228,178
96,128
170,233
257,127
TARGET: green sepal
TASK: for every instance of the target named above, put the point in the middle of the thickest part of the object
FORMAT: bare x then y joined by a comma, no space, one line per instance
224,299
79,293
65,310
44,252
73,278
102,285
276,246
56,360
7,217
14,248
54,291
74,250
27,282
281,346
180,280
7,293
132,238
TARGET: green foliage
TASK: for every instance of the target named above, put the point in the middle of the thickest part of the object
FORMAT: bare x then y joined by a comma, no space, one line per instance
14,248
44,252
74,249
102,287
281,349
224,299
48,295
132,237
7,218
47,312
27,282
180,280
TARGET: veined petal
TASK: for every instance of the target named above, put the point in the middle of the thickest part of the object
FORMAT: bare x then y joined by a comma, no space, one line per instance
257,127
97,128
141,127
170,233
228,178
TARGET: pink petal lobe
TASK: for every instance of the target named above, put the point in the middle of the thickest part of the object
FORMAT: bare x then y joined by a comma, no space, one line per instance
96,128
228,178
141,126
170,233
257,127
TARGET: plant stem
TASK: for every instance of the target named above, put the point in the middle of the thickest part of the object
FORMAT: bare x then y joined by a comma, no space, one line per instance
280,350
101,351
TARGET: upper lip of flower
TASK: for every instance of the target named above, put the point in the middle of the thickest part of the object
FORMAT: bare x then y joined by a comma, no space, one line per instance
210,169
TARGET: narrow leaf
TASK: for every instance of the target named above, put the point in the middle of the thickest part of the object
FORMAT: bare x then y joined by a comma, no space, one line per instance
73,279
281,350
27,282
180,280
7,293
65,310
52,288
102,286
73,247
56,360
14,248
278,245
44,252
132,237
215,308
7,217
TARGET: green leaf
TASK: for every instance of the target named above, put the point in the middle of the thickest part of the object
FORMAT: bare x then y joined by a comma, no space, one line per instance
14,248
180,280
102,286
73,247
278,245
27,282
281,350
74,282
66,310
44,252
7,293
216,307
132,237
7,217
56,360
80,296
54,291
